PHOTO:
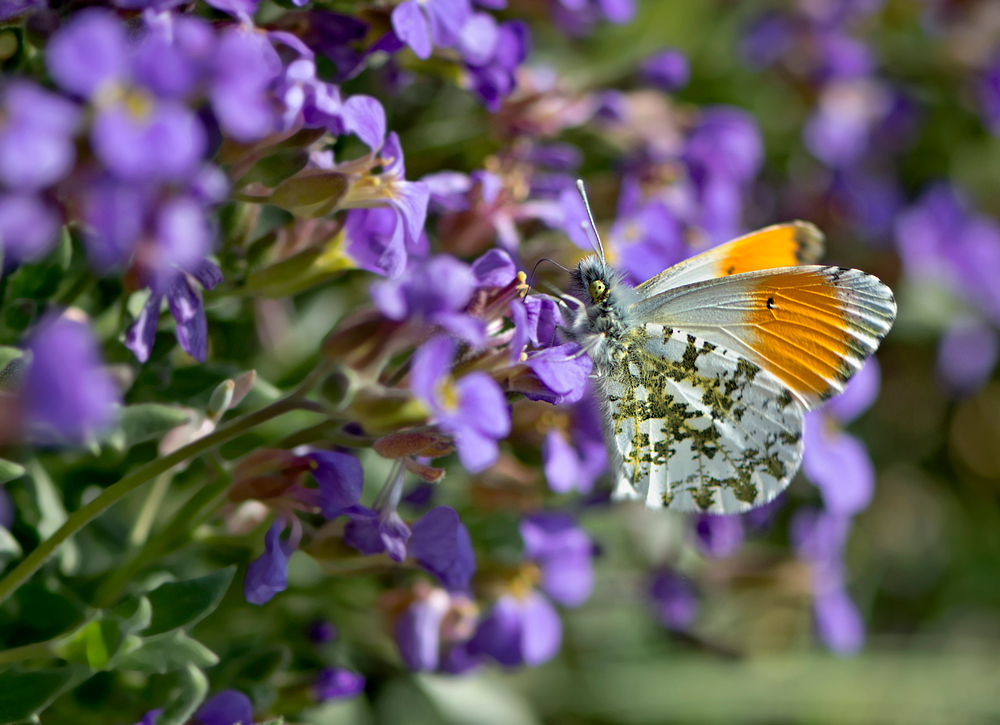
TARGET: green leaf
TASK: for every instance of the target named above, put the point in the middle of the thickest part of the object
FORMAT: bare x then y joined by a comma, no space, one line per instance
10,470
272,170
9,354
23,694
181,604
9,548
194,688
146,421
41,280
311,194
168,652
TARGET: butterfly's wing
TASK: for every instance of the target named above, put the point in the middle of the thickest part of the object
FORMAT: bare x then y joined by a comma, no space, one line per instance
695,427
706,399
809,327
781,245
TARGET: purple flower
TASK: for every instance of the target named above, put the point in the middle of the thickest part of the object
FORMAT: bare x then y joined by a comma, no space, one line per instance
418,631
435,291
494,269
268,574
472,409
88,53
423,24
150,717
245,64
940,238
647,235
442,546
838,131
673,599
562,371
321,631
341,480
149,140
967,355
519,631
229,707
36,137
667,69
185,305
29,227
766,39
408,199
378,530
67,394
493,75
838,464
718,536
818,539
577,17
564,552
573,460
337,683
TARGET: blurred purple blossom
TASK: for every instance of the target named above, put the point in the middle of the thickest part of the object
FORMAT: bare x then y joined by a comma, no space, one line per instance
341,480
337,683
493,75
36,137
967,355
673,599
229,707
940,238
473,408
667,69
573,460
819,539
442,546
718,537
68,396
519,630
436,292
423,24
29,227
150,717
563,552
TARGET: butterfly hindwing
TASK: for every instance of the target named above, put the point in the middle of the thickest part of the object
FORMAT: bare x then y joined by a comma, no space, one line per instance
696,427
781,245
810,327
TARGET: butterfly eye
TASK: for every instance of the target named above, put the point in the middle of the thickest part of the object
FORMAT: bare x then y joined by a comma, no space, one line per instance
598,290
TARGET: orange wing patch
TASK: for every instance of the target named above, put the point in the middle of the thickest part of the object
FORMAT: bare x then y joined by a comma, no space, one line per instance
814,327
782,245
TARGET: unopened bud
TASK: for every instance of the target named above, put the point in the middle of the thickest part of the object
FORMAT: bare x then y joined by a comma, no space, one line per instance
427,473
339,387
427,442
222,398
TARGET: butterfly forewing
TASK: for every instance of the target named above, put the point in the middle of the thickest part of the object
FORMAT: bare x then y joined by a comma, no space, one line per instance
809,327
697,427
781,245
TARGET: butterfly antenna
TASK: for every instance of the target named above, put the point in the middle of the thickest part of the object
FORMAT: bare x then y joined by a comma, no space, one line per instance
593,226
545,259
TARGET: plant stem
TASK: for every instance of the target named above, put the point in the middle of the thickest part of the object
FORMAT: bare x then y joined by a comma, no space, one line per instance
111,495
38,650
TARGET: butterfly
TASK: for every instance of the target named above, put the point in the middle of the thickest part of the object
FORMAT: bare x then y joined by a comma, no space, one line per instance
704,372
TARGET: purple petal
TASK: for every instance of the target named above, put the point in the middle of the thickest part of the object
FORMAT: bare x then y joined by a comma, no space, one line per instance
76,401
561,462
494,269
336,683
541,633
441,544
674,600
365,118
483,404
29,227
207,273
967,355
839,465
226,708
142,335
477,41
431,364
340,478
36,138
719,536
115,215
182,233
88,53
563,370
268,574
362,532
411,26
499,633
192,328
839,623
667,69
418,632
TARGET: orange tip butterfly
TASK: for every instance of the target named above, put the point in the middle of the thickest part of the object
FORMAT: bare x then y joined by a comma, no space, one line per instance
704,371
